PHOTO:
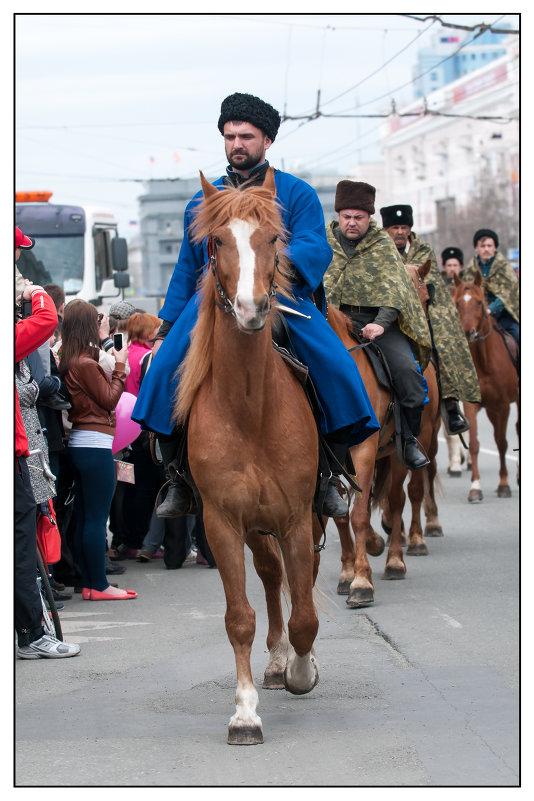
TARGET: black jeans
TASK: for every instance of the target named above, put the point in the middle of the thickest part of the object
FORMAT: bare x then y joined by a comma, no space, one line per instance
28,609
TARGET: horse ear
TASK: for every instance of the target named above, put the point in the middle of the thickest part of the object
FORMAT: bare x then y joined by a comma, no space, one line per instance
457,280
207,188
425,268
269,181
478,278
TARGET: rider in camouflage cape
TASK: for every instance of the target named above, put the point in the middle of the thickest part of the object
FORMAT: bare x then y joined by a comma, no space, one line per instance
500,283
367,280
457,374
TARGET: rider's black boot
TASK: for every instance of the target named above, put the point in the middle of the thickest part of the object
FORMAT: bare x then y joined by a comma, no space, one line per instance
411,426
179,497
334,505
456,422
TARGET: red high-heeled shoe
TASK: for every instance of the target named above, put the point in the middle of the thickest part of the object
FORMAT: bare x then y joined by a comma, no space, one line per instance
86,593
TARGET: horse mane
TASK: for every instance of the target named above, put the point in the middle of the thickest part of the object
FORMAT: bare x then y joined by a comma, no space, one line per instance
252,203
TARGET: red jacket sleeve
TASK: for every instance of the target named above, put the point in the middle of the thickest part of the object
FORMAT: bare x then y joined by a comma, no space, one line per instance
33,331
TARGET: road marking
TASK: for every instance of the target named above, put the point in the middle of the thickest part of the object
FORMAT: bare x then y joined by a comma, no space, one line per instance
450,621
487,451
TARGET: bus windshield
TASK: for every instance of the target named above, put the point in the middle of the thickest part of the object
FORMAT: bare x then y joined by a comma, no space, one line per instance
55,260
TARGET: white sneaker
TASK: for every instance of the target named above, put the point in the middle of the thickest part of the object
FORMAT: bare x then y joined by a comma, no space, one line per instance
49,648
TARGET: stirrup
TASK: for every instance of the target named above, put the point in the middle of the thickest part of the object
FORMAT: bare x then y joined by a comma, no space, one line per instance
180,509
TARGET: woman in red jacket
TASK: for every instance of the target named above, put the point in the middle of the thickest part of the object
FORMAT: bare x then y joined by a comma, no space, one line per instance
93,398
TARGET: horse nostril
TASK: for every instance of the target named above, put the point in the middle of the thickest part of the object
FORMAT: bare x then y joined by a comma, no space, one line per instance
265,304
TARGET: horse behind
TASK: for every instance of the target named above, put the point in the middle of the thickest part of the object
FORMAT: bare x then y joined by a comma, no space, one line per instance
497,377
252,444
381,477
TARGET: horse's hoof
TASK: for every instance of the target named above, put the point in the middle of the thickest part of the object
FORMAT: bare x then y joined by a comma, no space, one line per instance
455,473
361,596
433,531
299,690
504,491
245,735
275,681
343,587
475,496
394,573
419,549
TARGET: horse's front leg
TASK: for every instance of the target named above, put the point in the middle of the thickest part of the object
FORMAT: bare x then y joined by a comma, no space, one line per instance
361,590
433,527
301,673
416,490
269,568
498,416
471,411
395,567
227,547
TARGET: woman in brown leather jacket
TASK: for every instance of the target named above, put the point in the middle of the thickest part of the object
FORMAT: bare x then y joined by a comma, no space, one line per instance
93,398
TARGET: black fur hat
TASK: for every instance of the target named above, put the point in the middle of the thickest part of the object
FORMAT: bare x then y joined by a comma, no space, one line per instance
247,108
483,233
452,253
396,215
355,195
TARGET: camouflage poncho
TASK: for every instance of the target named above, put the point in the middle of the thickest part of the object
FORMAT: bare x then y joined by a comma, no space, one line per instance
375,276
501,282
457,372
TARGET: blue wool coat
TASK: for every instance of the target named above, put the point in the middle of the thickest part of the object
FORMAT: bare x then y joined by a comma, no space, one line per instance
342,395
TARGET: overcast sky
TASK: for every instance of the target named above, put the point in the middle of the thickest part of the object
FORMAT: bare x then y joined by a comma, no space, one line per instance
105,101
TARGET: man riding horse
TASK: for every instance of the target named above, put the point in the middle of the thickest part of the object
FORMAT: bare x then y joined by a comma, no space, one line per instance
457,376
368,281
499,280
249,127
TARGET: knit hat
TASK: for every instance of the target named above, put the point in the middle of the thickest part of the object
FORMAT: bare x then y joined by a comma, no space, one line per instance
122,310
355,195
396,215
23,241
247,108
452,253
483,233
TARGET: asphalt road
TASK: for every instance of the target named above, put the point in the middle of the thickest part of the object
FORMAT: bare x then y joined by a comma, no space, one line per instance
420,689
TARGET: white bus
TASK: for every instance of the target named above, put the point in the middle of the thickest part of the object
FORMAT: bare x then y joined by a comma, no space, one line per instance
76,247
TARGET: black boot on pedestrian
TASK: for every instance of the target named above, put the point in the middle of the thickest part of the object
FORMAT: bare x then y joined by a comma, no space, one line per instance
179,498
455,422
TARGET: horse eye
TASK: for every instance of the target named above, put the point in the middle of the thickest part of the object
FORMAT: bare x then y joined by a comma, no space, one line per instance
217,241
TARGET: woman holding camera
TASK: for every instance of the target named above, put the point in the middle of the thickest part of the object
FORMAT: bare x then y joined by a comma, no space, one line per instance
93,398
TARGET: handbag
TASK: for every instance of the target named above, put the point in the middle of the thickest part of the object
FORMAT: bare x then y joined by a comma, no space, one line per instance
125,471
48,536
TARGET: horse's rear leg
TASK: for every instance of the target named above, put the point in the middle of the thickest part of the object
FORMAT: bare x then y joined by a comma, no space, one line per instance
361,590
228,550
416,543
471,411
269,568
348,555
301,673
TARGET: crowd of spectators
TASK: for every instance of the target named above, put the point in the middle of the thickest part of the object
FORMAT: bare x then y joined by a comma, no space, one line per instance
70,382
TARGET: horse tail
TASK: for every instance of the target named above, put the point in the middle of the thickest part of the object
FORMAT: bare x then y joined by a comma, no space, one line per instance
197,363
380,483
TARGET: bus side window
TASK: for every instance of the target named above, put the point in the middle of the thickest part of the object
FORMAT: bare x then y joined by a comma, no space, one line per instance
103,268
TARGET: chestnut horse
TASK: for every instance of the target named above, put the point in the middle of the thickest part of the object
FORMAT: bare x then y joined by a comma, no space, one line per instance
381,477
252,443
497,377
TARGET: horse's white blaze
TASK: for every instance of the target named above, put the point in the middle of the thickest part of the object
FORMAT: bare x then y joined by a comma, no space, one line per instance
467,297
246,702
242,231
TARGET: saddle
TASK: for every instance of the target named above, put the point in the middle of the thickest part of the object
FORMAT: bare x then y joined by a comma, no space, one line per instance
511,345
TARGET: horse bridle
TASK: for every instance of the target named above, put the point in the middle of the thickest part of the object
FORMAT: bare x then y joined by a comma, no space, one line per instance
225,303
476,336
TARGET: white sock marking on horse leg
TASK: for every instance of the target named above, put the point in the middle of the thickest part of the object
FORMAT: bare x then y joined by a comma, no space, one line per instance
475,485
301,670
246,700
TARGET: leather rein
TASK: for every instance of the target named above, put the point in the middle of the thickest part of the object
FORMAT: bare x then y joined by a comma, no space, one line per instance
225,303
